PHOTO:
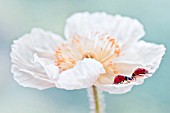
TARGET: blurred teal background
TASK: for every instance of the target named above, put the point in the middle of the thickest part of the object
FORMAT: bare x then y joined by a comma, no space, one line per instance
18,17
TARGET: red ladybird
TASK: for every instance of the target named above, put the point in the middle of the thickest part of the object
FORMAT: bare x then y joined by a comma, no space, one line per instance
120,79
139,72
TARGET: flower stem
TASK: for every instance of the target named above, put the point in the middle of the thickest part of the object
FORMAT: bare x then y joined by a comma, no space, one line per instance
96,99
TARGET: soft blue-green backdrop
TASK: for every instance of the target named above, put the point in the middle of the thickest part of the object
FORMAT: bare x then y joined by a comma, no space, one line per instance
18,17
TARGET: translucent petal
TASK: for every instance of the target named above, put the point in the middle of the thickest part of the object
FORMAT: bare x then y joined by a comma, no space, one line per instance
83,75
26,72
124,29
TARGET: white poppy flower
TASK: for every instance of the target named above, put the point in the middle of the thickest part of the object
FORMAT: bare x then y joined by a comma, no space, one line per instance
99,47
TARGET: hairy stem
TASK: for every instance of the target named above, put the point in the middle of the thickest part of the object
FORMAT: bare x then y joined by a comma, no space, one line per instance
96,100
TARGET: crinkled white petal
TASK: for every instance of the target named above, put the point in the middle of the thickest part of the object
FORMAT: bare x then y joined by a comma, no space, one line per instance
141,55
83,75
51,70
28,78
26,72
149,55
144,53
116,89
125,29
127,68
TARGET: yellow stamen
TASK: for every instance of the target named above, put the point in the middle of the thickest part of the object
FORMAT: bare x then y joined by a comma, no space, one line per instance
102,48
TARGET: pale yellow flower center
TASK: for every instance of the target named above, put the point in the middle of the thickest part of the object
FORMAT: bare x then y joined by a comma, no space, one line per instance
101,48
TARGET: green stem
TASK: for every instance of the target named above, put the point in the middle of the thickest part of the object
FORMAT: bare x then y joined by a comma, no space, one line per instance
96,99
